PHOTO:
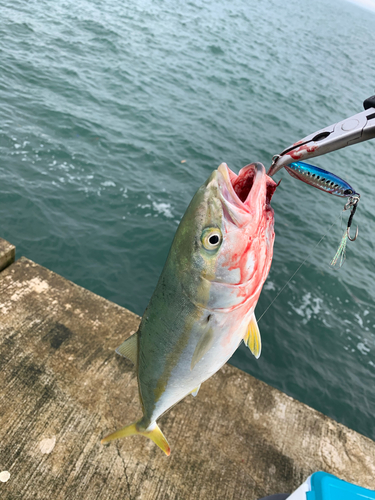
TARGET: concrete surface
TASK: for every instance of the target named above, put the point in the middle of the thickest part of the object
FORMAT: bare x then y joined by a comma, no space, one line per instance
7,254
62,388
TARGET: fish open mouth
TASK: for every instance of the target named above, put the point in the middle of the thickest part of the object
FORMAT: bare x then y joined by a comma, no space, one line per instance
245,188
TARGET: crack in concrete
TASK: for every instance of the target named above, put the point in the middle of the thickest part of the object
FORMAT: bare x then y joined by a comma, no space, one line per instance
119,454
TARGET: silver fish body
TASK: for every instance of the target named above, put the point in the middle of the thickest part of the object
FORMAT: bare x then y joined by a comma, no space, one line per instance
203,305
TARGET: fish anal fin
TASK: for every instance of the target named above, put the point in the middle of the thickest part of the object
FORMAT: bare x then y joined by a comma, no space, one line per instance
152,432
195,392
252,338
129,348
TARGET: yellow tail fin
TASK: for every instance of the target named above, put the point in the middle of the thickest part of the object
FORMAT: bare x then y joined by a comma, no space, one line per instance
152,432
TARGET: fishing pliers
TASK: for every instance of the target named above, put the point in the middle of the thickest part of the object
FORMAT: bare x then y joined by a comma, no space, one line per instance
352,130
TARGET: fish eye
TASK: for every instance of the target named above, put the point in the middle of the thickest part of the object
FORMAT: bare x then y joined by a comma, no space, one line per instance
348,191
211,238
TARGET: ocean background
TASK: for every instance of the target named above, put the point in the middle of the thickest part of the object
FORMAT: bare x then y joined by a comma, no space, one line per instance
101,101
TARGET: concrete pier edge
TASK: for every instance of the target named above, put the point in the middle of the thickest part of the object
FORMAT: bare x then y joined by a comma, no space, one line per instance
62,388
7,254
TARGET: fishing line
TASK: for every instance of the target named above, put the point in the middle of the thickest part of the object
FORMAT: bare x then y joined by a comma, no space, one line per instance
299,267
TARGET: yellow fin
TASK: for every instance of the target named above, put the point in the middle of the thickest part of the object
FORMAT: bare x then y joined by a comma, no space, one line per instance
152,432
203,346
252,337
195,392
129,348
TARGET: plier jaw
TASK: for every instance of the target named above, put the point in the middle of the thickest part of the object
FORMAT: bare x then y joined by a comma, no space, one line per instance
352,130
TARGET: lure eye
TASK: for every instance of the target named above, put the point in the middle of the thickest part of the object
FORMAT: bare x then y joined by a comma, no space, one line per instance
348,191
211,238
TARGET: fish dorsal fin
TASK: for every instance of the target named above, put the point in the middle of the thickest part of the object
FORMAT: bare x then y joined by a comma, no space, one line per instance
203,346
129,348
195,392
252,337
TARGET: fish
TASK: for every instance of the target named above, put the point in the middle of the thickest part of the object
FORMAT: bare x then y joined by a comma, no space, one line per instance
321,179
203,304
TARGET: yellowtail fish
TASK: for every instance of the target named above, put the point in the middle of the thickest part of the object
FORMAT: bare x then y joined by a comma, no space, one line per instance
203,305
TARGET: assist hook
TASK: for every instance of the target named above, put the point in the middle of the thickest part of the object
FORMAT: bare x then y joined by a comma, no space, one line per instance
352,204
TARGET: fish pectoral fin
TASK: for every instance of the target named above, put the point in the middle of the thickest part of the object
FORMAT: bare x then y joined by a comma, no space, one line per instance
129,348
152,432
195,392
203,346
252,338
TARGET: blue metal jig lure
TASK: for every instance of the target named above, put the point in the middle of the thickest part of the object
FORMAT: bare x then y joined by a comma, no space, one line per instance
330,183
320,179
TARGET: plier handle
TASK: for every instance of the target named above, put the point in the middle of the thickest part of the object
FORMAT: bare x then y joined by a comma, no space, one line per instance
352,130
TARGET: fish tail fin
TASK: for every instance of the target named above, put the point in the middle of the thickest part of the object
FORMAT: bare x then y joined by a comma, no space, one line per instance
152,432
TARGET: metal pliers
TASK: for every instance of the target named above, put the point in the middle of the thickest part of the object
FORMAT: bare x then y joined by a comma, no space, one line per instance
357,128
